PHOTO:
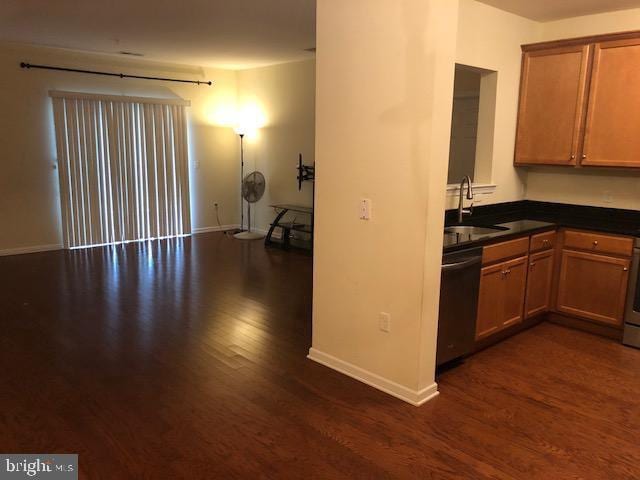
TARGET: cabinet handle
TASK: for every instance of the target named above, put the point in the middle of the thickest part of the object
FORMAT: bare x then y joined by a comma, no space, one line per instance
573,157
595,243
584,156
625,269
532,263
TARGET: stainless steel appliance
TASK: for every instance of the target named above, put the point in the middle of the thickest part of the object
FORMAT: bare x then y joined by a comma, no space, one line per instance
632,313
458,304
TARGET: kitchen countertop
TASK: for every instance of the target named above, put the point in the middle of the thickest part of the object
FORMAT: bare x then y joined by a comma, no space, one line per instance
455,241
527,217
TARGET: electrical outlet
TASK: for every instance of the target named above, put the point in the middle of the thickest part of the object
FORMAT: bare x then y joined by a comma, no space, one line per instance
384,320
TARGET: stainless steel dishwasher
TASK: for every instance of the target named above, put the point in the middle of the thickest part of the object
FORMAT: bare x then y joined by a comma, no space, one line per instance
458,304
632,315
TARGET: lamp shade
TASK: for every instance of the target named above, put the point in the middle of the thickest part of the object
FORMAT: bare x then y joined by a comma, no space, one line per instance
249,119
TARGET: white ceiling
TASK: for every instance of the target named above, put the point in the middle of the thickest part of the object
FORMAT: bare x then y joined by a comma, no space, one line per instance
546,10
213,33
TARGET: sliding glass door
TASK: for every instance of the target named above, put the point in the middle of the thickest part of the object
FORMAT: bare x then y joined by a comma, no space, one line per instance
123,168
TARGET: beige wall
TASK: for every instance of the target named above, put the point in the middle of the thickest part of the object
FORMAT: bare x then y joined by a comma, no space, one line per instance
384,82
489,38
606,188
284,95
620,21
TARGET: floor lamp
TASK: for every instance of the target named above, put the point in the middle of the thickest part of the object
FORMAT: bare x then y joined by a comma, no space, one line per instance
241,134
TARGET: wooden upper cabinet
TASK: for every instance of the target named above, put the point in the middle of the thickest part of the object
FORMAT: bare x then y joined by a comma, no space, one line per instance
552,102
612,138
580,102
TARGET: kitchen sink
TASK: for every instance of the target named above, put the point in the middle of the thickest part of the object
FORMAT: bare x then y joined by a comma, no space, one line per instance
471,230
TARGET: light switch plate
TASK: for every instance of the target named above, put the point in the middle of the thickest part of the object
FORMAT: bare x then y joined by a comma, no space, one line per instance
385,322
365,209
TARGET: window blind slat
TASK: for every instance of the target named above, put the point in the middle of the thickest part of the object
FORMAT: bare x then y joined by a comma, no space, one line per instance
76,189
160,178
63,167
84,166
168,185
93,191
183,160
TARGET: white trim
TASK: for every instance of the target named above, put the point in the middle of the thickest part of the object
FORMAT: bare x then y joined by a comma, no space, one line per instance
217,228
481,188
33,249
119,98
414,397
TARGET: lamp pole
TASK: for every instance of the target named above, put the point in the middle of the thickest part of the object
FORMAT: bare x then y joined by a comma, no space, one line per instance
241,181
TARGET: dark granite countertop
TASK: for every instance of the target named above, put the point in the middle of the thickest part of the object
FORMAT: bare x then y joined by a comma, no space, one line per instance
527,217
454,241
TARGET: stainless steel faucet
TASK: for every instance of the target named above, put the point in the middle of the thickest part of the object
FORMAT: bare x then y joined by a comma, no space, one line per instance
461,210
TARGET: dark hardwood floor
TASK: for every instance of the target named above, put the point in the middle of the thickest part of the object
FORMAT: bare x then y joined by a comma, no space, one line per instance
187,359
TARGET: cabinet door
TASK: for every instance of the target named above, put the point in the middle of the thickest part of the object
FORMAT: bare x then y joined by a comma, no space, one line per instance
515,286
539,283
490,300
552,101
593,286
501,297
613,115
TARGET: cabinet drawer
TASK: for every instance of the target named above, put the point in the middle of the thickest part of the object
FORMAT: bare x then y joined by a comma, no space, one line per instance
597,242
501,251
543,241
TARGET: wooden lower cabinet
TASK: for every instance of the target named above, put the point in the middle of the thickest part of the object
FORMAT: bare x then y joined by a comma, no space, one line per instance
584,277
539,282
501,297
593,286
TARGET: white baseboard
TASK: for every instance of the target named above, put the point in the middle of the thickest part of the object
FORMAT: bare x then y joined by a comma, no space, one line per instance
414,397
217,228
33,249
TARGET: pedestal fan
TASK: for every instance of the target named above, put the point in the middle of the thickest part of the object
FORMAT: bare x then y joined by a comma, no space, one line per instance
253,186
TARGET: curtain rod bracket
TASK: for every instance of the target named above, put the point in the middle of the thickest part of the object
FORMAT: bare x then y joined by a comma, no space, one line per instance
110,74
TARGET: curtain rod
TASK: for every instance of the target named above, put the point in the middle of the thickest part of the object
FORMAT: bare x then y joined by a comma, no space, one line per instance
109,74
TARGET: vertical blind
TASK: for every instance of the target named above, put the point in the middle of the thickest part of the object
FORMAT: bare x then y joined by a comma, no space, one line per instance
123,168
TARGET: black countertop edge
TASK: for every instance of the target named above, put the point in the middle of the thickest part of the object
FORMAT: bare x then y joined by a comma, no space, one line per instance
518,228
611,220
528,217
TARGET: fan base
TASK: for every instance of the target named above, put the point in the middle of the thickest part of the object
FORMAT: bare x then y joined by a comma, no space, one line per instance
248,236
